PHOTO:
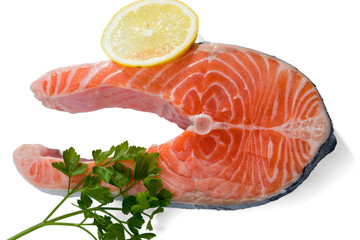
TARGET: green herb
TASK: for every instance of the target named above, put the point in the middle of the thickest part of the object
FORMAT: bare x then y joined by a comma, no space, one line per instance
110,170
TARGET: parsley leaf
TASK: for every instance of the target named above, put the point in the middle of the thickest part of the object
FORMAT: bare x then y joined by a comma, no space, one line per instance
147,235
93,189
127,202
100,156
115,232
120,150
121,176
70,166
133,151
153,185
71,159
157,211
164,197
102,223
142,199
125,152
146,166
80,169
61,167
135,223
85,201
104,173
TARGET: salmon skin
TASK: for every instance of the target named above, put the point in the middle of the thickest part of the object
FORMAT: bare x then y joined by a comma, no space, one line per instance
254,126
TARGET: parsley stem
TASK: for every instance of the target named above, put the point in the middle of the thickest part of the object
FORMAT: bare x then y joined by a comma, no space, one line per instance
73,225
83,221
82,211
111,215
49,223
73,214
74,190
68,190
66,216
115,218
57,207
26,231
127,231
87,232
148,215
112,208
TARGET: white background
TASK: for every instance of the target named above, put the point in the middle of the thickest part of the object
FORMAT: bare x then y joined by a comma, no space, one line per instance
320,38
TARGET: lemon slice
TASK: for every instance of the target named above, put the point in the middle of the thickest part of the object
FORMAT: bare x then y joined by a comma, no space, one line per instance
150,32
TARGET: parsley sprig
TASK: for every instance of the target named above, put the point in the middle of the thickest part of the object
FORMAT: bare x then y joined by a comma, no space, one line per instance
95,198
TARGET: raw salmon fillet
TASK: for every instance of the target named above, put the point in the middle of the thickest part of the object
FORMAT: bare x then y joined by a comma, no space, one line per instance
254,126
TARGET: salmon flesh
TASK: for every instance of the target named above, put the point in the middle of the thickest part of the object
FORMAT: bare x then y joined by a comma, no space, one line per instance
254,126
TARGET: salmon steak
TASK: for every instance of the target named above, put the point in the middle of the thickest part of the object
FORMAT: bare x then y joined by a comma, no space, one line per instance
254,126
